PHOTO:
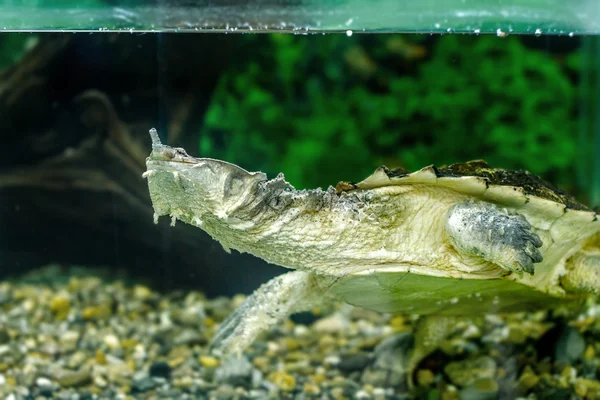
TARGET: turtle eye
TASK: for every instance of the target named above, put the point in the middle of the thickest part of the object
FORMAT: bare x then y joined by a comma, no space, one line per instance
233,186
180,152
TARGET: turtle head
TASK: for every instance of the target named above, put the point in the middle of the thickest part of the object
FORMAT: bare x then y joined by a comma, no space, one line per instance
192,189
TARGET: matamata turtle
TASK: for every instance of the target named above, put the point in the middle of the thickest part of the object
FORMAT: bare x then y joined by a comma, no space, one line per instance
466,239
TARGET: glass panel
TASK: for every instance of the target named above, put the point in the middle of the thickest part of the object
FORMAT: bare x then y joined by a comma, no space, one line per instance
301,16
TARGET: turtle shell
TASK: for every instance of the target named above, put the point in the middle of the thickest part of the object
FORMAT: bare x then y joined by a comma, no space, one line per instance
544,205
568,223
391,292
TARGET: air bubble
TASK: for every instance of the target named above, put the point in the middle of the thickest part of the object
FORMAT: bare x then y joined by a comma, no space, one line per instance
348,33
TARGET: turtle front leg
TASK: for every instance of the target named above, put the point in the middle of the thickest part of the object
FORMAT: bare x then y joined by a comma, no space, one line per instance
484,230
269,305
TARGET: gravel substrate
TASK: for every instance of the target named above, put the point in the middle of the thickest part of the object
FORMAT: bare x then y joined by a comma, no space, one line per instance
79,336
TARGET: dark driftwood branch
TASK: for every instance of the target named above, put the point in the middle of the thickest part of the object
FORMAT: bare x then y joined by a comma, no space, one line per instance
72,191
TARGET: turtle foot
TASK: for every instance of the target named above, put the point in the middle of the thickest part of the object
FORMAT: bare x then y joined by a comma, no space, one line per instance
269,305
486,231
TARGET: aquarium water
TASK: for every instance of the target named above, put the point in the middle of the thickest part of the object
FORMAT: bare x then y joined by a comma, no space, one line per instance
134,269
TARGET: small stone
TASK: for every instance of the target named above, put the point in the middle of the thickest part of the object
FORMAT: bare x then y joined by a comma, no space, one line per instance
208,361
332,324
311,388
569,373
183,382
481,389
589,354
235,371
190,316
100,382
332,360
580,388
112,342
43,382
290,344
69,340
189,337
591,387
96,312
4,336
60,306
450,393
142,382
398,323
425,377
67,378
282,380
142,292
362,395
466,372
100,357
391,359
46,388
528,379
160,369
569,346
301,331
354,362
338,393
5,296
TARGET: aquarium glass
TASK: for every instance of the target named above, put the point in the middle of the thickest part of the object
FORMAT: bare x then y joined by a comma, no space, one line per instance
469,16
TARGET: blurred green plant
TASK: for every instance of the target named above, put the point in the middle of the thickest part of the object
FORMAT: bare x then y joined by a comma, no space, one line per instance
13,47
322,109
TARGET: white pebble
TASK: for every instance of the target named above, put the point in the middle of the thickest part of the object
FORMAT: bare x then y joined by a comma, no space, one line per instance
43,382
361,394
300,330
332,324
112,342
332,360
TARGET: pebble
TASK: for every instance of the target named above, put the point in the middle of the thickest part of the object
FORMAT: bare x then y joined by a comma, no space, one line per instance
463,373
333,324
570,345
189,337
208,361
123,342
60,306
235,371
391,359
528,379
481,389
68,378
142,382
282,380
5,296
160,369
354,362
425,377
112,342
